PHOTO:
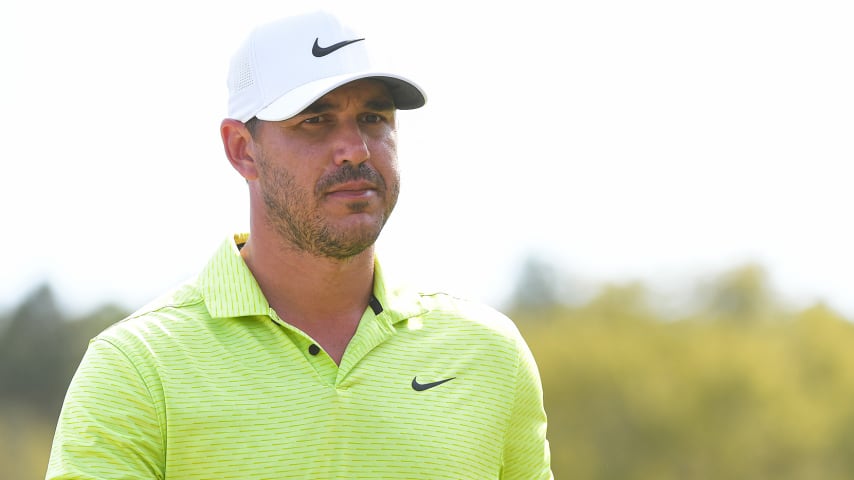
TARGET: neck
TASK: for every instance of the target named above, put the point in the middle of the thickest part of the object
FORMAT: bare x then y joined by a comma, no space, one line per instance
305,289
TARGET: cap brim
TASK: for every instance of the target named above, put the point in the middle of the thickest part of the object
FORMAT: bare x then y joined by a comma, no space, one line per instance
406,94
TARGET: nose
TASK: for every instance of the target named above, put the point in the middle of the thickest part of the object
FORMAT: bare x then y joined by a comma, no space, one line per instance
351,144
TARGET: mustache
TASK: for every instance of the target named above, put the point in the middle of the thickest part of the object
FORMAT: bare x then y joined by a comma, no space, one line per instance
349,173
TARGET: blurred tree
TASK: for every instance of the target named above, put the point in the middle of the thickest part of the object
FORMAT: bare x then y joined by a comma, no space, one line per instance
742,294
752,390
537,288
616,303
41,347
31,348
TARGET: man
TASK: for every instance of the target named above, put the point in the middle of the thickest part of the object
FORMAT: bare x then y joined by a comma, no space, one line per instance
290,356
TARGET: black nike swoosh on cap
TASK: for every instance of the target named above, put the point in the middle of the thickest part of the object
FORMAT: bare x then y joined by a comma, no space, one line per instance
319,51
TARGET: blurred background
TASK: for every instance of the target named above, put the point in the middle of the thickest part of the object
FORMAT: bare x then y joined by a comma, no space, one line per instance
657,192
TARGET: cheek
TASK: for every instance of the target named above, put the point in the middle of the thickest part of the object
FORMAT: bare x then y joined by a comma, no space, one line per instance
384,155
390,170
285,179
388,141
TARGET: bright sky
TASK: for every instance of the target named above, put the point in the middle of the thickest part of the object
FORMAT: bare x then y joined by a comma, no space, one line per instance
622,140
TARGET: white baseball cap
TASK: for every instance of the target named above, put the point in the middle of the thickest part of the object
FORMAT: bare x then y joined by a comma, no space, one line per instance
286,65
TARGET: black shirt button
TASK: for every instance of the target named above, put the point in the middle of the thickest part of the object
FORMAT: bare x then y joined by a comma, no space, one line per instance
313,349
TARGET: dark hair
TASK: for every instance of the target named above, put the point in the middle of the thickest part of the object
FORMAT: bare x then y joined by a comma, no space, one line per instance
252,125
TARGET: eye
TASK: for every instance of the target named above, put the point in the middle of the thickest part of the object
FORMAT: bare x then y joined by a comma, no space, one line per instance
316,119
372,118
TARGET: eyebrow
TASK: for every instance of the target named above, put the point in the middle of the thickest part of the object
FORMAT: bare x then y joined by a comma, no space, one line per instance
380,104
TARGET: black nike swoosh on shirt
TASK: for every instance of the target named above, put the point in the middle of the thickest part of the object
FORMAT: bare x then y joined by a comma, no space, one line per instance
419,387
319,51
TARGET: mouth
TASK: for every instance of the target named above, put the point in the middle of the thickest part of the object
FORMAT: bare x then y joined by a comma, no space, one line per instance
353,190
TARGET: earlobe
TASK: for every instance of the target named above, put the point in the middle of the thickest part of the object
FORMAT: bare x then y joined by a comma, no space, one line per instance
239,148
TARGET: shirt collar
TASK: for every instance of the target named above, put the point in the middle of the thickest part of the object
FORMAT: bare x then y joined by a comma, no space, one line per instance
230,289
398,303
227,284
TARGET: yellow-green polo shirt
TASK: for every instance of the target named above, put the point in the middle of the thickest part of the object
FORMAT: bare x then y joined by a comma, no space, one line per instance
209,383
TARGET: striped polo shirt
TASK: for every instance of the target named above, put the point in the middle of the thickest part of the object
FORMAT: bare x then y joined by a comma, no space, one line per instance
209,383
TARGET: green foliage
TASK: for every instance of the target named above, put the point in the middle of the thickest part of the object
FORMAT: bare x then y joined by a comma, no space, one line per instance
731,392
738,387
40,348
740,295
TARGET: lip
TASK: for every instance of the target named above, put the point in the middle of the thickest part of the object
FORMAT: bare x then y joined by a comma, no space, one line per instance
352,189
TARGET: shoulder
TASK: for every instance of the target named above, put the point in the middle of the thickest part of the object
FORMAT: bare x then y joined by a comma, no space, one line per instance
456,313
164,317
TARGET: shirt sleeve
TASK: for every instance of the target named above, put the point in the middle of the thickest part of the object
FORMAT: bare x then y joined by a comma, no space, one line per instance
526,449
109,426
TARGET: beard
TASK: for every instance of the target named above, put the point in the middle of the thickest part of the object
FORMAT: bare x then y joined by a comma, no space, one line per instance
295,214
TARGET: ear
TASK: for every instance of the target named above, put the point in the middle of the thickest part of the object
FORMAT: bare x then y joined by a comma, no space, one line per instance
239,147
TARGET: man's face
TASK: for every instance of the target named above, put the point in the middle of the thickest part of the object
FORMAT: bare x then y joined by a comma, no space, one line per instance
328,176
